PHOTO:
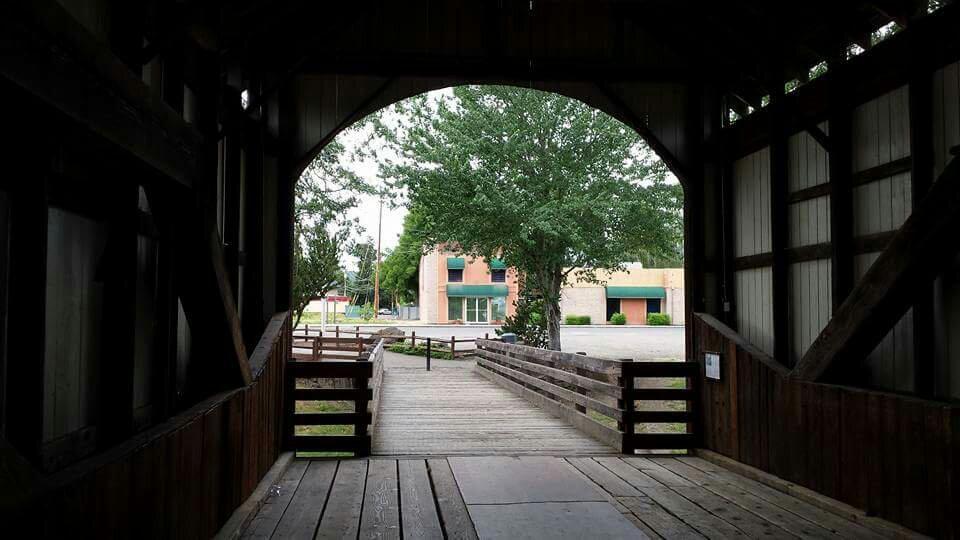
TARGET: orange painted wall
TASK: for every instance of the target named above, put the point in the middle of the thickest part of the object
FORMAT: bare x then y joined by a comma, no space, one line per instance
635,309
477,272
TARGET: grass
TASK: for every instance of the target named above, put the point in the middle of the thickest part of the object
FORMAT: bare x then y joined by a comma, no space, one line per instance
436,351
323,407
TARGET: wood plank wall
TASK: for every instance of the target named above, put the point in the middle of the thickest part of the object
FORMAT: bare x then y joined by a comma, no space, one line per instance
184,477
880,137
752,236
810,282
946,138
892,455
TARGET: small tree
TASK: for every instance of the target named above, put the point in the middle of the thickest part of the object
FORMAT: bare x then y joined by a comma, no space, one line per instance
316,269
527,321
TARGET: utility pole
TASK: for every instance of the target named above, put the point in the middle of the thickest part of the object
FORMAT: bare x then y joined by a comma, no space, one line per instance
376,274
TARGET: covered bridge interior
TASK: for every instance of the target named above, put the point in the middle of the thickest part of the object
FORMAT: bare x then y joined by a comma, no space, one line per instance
146,199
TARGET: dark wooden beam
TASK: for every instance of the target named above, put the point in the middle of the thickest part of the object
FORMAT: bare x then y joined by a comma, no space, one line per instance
818,135
640,126
45,51
926,242
841,200
921,178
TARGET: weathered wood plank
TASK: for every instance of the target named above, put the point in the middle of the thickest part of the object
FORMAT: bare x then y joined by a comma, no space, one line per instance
381,505
266,520
610,482
303,513
632,475
341,518
457,524
417,508
584,382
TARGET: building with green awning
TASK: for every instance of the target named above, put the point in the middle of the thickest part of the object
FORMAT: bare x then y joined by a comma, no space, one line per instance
477,291
636,292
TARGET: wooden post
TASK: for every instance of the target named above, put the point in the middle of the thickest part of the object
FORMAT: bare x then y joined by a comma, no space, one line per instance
626,403
428,354
780,232
413,339
453,347
360,407
316,347
580,408
921,178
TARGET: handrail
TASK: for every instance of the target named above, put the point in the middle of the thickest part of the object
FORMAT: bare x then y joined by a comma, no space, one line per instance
243,423
596,395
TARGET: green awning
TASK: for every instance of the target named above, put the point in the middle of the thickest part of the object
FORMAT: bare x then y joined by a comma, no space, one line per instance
455,263
497,264
477,291
636,292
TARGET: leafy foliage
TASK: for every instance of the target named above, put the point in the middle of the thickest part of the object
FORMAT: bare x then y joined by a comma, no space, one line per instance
399,275
658,319
527,322
618,319
544,182
577,319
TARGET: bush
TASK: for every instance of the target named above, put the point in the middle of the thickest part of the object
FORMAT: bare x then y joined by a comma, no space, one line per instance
527,322
366,312
658,319
436,351
618,318
578,319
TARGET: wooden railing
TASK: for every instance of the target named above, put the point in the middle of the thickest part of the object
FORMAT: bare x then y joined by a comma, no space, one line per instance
345,369
598,396
892,455
180,479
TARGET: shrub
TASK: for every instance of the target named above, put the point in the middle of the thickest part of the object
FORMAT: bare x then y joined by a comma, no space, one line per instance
578,319
436,350
618,318
527,322
366,312
658,319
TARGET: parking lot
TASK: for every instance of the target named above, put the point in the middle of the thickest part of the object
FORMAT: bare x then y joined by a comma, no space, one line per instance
636,342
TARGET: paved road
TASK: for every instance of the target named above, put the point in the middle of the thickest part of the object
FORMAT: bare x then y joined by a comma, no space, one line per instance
639,343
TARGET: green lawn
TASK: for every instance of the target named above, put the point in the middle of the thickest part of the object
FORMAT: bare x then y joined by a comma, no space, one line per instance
312,317
322,407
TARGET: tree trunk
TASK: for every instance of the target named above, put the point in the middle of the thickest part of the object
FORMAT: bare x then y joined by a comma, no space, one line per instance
551,308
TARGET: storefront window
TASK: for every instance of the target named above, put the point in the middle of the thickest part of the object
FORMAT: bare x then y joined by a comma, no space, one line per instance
498,309
455,308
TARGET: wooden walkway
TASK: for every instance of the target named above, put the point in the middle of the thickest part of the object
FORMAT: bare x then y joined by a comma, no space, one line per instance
454,411
539,497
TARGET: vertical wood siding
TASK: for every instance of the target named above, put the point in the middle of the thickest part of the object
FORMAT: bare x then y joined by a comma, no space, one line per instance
880,135
810,283
946,136
888,454
184,477
811,304
75,308
890,365
752,236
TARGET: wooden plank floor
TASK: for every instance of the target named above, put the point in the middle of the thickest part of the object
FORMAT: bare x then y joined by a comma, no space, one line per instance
454,411
659,497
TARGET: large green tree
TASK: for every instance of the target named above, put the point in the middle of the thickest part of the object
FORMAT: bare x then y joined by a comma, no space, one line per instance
545,182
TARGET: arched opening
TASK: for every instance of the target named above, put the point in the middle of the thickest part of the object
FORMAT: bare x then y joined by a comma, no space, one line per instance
456,167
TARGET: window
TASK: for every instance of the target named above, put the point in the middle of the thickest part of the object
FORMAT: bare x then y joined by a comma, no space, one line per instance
498,276
653,305
455,308
498,309
454,275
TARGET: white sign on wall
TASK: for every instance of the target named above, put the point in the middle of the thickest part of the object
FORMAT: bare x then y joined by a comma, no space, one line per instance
712,363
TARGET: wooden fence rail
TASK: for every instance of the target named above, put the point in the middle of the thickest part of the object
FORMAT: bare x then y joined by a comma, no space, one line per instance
363,370
598,396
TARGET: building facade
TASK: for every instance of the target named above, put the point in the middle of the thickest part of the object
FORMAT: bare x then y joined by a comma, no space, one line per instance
462,290
635,292
455,289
